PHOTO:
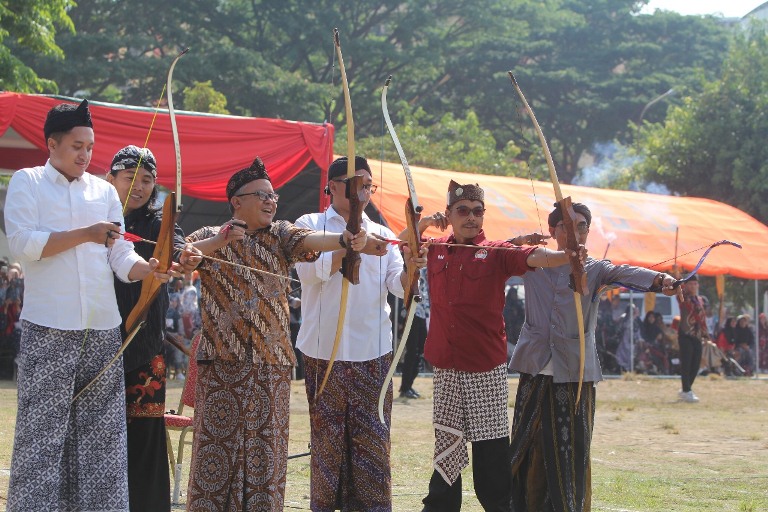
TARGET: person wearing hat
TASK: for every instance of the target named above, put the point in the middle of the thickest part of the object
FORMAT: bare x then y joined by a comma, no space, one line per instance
63,224
692,332
466,345
245,358
551,434
349,463
133,173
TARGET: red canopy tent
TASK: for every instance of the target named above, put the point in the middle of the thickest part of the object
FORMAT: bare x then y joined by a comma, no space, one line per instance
212,146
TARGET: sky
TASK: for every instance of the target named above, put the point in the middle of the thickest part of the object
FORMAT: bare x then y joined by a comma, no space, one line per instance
727,8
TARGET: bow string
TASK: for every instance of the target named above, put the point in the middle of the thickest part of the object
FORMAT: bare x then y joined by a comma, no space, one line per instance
412,216
350,267
150,286
578,273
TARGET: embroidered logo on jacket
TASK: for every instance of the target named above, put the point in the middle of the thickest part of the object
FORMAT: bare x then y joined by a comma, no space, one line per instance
481,254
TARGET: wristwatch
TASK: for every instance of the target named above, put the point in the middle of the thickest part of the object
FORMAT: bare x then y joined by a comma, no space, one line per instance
342,243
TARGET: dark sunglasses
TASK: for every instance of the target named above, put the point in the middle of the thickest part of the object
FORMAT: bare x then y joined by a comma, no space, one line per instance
464,211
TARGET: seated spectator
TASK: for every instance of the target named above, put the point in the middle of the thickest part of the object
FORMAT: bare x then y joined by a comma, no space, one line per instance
744,339
653,353
630,337
175,360
725,340
763,341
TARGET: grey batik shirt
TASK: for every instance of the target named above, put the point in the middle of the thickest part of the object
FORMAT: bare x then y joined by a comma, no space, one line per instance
551,329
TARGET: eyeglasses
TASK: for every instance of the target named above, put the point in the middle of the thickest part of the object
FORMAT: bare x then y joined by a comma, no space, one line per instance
464,211
370,188
262,195
581,227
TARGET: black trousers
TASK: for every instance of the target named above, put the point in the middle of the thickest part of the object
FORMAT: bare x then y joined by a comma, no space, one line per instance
690,359
414,348
492,475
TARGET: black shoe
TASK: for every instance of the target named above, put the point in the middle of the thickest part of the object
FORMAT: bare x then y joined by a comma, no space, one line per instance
411,393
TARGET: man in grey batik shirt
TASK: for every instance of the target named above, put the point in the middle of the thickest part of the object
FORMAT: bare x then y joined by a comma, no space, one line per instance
547,357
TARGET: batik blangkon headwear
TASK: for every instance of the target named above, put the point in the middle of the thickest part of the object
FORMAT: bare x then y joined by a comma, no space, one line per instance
256,171
132,157
469,192
66,116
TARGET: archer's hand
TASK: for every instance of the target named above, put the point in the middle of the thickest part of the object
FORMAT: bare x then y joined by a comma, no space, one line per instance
581,253
190,258
420,261
230,231
356,241
375,245
437,220
669,289
166,276
103,233
532,239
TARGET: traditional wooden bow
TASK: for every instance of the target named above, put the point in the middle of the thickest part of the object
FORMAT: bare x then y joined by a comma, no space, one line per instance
412,216
578,274
350,267
150,286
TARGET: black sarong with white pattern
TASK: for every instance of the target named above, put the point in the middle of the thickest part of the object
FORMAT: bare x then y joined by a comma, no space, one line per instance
69,456
550,442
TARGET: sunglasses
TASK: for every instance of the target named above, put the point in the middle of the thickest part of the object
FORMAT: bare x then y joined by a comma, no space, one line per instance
262,195
581,227
464,211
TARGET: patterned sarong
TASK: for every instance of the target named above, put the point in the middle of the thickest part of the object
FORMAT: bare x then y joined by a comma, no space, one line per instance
69,456
240,448
468,407
350,447
550,445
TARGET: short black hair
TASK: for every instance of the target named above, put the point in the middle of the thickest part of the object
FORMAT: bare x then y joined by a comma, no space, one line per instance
557,214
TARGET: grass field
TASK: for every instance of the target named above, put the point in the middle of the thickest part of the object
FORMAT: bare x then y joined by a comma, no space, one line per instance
649,453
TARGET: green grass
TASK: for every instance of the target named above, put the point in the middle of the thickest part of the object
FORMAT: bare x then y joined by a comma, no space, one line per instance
650,453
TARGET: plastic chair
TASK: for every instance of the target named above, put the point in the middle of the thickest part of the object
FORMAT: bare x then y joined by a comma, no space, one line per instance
176,420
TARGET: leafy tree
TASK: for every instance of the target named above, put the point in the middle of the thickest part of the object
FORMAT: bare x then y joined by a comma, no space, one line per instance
30,25
456,144
713,145
586,68
202,97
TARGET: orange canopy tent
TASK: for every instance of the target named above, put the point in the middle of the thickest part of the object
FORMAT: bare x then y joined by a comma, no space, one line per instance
640,227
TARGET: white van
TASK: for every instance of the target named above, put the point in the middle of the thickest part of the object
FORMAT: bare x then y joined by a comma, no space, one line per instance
667,306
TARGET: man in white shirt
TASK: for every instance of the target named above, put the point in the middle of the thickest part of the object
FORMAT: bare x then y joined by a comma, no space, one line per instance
63,224
350,466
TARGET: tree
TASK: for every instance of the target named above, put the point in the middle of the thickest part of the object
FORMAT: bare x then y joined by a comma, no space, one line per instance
456,144
202,97
30,25
713,145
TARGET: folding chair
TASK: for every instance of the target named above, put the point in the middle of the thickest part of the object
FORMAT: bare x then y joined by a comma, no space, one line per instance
176,420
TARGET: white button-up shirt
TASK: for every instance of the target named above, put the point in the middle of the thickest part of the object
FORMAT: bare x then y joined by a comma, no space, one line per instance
367,331
74,289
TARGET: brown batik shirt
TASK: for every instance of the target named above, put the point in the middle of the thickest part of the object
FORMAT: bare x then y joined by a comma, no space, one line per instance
245,313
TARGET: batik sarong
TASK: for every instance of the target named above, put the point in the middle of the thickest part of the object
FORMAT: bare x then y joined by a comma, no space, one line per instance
148,474
468,407
69,457
550,445
350,446
240,447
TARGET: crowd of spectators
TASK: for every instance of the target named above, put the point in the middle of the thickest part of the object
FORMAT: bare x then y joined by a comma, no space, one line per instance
11,297
625,342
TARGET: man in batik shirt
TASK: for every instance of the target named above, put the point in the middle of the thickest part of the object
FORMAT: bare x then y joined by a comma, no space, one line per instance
245,358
